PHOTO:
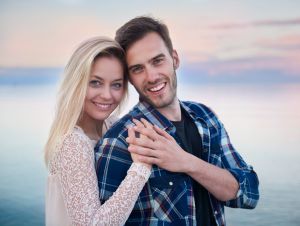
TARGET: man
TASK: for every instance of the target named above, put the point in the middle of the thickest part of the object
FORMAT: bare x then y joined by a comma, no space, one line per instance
193,178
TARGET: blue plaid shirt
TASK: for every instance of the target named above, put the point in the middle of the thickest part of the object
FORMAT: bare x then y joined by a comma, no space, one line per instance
167,198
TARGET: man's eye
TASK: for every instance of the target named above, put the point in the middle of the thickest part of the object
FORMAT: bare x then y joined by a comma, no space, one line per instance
157,61
136,70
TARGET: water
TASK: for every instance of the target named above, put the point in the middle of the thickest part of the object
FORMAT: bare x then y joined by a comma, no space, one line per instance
263,124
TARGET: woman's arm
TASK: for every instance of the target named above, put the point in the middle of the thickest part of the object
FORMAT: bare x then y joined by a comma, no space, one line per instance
80,186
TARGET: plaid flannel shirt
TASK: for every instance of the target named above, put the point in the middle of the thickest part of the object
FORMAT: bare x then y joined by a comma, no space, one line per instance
167,198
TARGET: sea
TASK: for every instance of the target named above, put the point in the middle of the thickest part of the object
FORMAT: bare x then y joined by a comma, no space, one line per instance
262,119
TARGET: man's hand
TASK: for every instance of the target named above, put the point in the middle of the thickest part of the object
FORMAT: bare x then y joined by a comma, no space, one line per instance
159,148
155,146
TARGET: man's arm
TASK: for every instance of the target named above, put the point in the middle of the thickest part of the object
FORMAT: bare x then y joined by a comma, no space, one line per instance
219,182
248,194
235,181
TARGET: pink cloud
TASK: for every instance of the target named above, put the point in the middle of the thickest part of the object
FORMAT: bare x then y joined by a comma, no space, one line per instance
261,23
279,54
289,42
50,44
288,65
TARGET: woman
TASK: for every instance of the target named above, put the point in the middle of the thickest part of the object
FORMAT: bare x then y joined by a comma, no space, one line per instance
95,83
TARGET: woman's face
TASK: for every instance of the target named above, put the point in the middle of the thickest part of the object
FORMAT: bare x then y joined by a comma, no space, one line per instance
105,88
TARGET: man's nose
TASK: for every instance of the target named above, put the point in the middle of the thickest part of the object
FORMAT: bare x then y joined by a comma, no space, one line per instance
152,74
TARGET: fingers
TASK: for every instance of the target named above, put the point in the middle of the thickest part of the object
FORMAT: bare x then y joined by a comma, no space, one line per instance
148,160
143,151
146,123
162,133
150,136
149,133
142,141
138,123
131,135
145,128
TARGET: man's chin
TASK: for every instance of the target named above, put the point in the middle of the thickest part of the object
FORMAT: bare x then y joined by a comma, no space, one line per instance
159,103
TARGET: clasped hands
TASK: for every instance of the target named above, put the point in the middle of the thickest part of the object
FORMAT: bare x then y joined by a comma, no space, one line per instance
155,146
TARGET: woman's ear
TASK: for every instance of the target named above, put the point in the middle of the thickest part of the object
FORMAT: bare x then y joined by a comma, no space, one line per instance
175,59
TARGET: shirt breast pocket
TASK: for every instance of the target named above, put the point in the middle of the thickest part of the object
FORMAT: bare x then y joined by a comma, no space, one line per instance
171,197
215,152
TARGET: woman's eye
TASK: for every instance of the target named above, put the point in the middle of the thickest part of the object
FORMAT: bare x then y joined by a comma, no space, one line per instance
95,83
117,85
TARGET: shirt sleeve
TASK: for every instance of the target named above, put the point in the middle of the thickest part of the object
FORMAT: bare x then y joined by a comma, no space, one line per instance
248,194
80,186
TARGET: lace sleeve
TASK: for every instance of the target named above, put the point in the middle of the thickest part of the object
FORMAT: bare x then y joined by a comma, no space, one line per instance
80,187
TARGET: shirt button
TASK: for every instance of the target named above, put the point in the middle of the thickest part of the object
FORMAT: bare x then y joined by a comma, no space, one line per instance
171,183
216,212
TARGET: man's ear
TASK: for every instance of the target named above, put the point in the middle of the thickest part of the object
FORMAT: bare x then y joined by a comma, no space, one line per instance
175,59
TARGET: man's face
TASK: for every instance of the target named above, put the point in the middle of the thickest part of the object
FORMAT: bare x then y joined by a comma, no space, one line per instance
152,70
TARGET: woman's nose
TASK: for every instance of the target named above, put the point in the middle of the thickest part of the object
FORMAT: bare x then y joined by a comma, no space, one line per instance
106,93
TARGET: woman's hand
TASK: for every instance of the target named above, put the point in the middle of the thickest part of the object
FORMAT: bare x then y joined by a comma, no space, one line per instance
131,137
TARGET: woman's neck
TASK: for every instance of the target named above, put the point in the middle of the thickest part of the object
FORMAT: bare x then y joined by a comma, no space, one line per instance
92,128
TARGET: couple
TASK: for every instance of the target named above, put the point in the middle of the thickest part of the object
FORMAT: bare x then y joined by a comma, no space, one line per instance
167,162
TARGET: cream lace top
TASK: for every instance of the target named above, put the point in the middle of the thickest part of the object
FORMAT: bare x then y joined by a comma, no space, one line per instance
72,196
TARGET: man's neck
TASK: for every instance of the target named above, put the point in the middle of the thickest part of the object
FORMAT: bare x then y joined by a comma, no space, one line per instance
172,112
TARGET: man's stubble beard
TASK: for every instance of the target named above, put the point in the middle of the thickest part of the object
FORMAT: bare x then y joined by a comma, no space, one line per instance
172,95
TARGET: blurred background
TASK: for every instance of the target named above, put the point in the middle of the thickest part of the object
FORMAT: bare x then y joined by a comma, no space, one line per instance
241,58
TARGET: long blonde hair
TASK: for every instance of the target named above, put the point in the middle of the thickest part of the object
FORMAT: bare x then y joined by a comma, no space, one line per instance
73,88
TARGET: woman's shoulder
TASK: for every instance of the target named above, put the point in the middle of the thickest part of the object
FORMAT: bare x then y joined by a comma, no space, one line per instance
71,144
76,136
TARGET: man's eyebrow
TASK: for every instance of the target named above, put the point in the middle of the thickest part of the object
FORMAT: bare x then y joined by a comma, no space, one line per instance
158,56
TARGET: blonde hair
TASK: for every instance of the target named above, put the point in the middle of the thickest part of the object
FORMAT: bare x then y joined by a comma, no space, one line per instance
73,88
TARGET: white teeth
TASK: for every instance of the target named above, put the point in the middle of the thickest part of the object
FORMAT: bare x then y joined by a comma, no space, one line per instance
156,88
103,106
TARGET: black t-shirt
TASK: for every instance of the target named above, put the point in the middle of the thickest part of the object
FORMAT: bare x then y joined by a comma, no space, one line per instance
190,141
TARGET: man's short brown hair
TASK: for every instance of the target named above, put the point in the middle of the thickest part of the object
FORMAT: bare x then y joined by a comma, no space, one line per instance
138,27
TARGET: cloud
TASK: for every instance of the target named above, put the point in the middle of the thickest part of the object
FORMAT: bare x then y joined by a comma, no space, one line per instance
262,69
288,42
286,65
50,43
261,23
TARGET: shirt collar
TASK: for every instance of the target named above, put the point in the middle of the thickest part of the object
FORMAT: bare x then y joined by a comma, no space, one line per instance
156,118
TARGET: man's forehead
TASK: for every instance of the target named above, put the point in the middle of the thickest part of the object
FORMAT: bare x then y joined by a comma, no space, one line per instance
146,49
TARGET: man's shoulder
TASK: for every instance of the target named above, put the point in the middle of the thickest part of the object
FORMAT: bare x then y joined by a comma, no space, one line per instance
119,128
199,108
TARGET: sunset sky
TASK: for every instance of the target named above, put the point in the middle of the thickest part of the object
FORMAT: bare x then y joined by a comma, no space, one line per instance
214,37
